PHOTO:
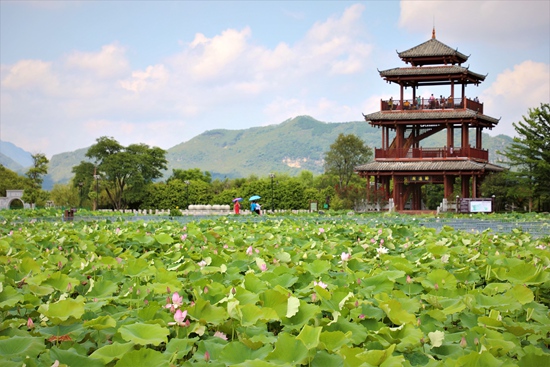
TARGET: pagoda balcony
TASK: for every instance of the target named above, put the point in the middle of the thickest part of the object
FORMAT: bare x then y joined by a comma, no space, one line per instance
425,104
414,154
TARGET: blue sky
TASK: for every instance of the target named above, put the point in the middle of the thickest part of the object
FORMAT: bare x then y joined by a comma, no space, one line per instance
162,72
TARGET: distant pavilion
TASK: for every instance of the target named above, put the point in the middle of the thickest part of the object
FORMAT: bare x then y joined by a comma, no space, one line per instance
402,166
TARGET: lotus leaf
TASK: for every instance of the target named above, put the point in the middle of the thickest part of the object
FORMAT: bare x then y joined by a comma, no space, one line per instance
113,351
144,334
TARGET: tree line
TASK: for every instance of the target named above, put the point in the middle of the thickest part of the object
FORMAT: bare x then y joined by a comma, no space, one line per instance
118,177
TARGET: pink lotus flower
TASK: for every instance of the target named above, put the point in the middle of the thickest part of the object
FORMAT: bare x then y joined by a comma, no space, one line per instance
345,256
30,324
263,267
219,334
321,230
179,318
249,250
320,284
177,301
409,280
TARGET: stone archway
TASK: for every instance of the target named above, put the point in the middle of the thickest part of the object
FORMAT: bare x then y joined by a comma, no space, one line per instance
12,196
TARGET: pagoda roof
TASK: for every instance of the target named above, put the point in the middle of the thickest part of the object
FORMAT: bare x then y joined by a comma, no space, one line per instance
426,166
422,116
417,75
432,52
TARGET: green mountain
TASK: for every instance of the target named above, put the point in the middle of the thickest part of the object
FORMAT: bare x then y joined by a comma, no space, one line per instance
289,147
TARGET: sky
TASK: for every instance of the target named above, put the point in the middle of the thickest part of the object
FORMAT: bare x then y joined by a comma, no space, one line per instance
163,72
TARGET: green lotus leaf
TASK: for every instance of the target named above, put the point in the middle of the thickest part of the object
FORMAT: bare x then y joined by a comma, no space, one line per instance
101,323
283,257
251,314
288,350
71,357
323,359
102,288
164,239
484,358
144,334
109,352
381,357
180,347
436,338
442,278
275,300
253,284
4,247
522,274
60,281
521,293
358,331
246,297
143,357
137,267
18,346
40,291
236,352
9,297
350,356
533,357
254,363
30,266
310,336
395,312
305,313
207,313
318,267
64,309
334,340
293,305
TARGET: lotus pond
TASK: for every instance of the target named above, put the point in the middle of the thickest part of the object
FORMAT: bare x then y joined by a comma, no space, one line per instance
276,292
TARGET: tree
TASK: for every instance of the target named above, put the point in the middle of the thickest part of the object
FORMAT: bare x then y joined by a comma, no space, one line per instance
529,153
346,153
125,171
33,193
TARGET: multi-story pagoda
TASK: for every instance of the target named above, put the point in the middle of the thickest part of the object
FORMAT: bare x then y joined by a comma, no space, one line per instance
402,165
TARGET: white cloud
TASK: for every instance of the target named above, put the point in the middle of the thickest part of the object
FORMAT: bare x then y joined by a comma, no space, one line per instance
514,91
506,23
109,62
30,76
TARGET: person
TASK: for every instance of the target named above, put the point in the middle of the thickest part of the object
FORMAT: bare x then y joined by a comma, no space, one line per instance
258,209
432,101
390,103
476,99
253,207
237,207
419,102
442,101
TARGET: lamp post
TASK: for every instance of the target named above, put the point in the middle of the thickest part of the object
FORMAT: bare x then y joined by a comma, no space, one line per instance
457,203
272,176
96,177
80,184
186,182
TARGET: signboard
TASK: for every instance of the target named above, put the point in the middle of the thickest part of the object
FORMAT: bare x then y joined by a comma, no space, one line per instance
481,206
313,206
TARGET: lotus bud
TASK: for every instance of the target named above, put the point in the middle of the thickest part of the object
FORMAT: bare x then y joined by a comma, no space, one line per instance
463,342
206,356
409,280
30,324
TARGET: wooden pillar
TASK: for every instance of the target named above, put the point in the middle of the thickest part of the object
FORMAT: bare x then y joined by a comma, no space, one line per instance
450,136
465,137
448,183
479,137
465,186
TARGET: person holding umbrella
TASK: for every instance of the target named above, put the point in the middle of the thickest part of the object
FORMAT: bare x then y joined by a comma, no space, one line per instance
254,206
237,205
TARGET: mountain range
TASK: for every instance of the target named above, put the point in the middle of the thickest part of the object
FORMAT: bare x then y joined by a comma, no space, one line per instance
289,147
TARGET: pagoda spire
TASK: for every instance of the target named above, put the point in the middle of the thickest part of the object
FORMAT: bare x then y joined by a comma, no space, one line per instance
433,33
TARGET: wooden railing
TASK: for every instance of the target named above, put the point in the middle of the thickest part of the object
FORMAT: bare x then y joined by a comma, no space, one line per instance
432,153
441,103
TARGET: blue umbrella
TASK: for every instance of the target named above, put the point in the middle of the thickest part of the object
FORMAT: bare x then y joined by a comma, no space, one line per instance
255,197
